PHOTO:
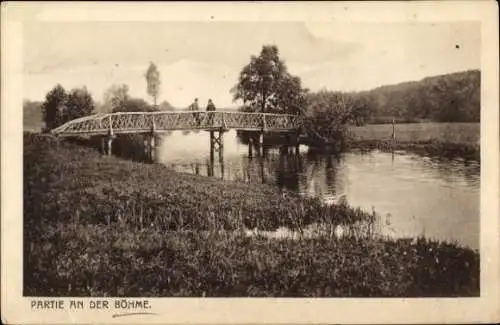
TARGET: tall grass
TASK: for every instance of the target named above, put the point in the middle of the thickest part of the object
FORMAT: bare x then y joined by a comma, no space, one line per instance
457,133
69,259
75,182
101,226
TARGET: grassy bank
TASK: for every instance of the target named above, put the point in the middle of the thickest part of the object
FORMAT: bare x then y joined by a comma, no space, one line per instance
69,181
102,226
449,140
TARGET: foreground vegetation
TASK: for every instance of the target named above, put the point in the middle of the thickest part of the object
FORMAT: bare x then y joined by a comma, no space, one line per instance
69,259
101,226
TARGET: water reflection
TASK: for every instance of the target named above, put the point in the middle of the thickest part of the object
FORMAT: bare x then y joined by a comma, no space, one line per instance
415,195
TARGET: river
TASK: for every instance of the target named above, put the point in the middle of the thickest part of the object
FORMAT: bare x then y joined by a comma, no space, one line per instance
414,195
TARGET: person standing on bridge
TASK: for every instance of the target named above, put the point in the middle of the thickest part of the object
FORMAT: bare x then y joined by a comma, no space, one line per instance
195,108
210,109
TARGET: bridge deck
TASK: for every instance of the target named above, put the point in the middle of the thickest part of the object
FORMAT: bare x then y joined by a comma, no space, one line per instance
141,122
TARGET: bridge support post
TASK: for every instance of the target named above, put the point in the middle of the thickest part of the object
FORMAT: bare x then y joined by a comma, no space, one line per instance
285,149
109,147
221,142
103,145
297,143
262,171
152,148
261,144
150,145
217,144
110,138
212,143
210,165
221,163
250,147
146,148
217,141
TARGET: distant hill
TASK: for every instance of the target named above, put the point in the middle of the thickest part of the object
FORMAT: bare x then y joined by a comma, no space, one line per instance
451,97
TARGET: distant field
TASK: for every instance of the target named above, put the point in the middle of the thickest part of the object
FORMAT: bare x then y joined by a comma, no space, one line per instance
463,133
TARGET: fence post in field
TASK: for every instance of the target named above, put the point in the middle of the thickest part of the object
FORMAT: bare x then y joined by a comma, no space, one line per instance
393,134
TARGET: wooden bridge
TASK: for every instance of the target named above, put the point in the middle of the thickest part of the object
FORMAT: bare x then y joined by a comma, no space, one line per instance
152,123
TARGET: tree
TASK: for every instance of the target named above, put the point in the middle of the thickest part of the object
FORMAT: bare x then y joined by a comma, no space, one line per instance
136,105
54,107
330,112
265,85
165,106
115,97
361,110
153,81
60,107
79,103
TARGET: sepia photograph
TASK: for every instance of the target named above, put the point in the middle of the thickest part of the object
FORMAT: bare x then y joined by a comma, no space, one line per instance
233,158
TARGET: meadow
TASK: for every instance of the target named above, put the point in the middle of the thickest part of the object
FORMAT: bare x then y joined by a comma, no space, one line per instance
457,133
447,140
100,226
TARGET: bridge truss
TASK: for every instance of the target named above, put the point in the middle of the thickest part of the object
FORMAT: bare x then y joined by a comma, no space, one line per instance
158,122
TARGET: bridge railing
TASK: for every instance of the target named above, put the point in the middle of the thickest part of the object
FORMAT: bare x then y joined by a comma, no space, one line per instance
139,122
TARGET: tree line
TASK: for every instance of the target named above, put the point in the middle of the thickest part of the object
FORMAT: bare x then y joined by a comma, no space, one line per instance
452,97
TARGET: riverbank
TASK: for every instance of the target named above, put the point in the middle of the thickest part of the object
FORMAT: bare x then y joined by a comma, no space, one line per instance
99,225
441,140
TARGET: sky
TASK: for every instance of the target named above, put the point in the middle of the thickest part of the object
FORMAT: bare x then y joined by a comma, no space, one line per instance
203,59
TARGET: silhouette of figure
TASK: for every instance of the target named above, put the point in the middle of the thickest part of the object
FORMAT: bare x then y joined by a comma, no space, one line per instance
210,110
210,106
195,108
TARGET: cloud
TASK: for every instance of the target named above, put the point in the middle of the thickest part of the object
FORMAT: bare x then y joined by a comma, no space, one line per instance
56,46
204,59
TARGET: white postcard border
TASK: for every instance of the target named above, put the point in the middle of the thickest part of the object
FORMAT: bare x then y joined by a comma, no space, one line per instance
16,309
